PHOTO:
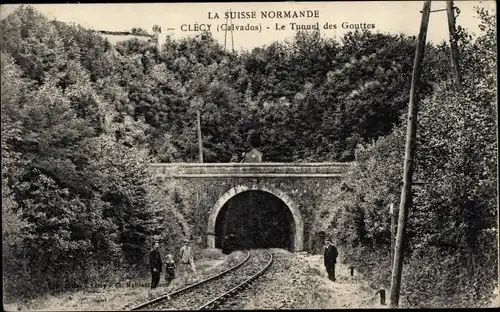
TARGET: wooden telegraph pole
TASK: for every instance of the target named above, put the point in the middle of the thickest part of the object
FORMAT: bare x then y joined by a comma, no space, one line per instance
198,126
393,229
225,33
406,192
453,45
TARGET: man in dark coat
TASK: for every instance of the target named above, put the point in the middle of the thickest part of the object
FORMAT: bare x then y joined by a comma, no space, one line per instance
155,264
330,258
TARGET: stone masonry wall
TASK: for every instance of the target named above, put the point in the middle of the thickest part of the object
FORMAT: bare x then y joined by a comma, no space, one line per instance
199,195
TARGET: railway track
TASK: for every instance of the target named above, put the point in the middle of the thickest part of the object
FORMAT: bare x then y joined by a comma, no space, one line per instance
212,292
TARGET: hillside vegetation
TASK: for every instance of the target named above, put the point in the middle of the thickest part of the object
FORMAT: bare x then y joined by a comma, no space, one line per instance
82,118
451,248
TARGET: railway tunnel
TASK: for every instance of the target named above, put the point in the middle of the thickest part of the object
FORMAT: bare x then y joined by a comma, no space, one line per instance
256,219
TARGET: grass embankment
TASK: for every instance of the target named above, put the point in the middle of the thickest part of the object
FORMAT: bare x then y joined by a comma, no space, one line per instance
126,293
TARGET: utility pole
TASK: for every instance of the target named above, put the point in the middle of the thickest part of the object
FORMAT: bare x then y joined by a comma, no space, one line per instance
225,34
232,34
231,30
406,192
453,44
200,145
393,229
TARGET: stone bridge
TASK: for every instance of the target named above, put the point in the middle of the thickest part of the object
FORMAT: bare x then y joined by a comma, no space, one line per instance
219,198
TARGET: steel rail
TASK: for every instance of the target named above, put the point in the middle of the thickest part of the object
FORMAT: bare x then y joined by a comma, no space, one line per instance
180,291
213,303
251,175
261,164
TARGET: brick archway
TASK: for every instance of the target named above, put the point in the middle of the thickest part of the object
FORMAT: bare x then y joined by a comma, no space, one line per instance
298,223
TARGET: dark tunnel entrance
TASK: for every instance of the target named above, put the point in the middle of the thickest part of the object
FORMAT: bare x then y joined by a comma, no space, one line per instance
256,219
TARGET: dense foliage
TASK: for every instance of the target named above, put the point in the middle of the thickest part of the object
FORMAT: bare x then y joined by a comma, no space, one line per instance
81,120
76,197
451,251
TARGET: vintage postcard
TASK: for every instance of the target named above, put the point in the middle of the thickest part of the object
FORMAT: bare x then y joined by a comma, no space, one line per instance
241,155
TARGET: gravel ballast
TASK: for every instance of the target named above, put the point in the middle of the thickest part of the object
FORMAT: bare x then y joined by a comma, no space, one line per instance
299,281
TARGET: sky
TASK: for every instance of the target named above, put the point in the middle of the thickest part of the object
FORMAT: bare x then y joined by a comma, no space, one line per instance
179,19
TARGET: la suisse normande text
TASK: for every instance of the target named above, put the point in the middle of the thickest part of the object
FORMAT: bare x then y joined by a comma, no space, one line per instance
265,14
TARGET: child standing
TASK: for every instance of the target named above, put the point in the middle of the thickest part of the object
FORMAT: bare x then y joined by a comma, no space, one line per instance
170,269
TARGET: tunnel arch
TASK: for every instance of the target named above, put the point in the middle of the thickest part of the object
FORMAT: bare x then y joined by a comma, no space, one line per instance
298,223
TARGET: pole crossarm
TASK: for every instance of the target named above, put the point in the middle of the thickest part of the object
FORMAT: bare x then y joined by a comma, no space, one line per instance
439,10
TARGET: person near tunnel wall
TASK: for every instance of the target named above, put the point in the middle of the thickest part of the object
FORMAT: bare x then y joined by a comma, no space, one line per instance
330,258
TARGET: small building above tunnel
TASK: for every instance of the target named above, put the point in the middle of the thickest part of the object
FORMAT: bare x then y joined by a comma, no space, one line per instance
252,155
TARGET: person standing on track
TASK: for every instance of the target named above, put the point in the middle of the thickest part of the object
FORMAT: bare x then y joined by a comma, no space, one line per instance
187,259
155,264
330,258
